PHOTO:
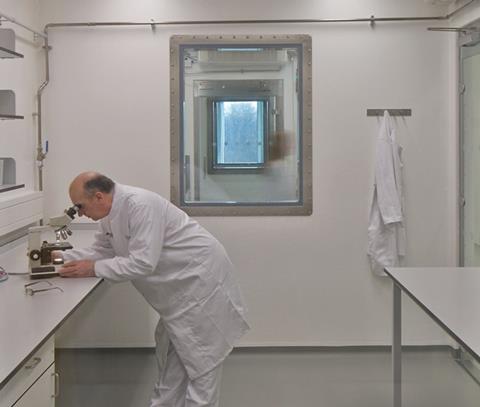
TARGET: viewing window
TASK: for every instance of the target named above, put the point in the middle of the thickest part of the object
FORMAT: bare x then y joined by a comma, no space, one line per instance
241,124
239,136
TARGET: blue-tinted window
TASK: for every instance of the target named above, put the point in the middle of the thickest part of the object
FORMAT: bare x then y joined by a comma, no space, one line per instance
239,133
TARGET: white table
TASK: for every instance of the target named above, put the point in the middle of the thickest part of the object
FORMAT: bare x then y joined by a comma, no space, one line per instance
449,295
28,321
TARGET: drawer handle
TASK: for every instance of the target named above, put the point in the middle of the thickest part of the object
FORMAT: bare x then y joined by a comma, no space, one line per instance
35,362
56,378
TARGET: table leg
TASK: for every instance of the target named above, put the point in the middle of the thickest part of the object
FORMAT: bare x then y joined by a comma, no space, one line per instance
397,346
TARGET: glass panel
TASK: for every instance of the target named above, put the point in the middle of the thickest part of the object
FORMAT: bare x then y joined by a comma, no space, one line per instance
471,155
239,133
242,139
236,126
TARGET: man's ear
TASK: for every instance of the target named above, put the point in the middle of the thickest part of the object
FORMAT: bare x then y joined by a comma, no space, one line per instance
99,196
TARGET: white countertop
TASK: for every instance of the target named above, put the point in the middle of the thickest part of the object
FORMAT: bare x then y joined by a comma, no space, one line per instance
450,295
28,321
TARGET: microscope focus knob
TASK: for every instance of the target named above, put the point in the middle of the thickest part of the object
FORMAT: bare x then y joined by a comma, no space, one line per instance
35,255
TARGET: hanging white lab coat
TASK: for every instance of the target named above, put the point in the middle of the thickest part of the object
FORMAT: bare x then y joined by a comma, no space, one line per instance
386,231
180,269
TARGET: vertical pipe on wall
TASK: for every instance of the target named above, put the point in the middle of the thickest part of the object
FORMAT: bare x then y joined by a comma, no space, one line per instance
40,153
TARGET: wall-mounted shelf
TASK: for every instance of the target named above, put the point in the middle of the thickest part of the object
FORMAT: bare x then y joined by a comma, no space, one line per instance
10,187
7,105
7,44
10,117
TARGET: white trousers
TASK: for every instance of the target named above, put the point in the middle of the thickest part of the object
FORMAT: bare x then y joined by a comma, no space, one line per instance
174,388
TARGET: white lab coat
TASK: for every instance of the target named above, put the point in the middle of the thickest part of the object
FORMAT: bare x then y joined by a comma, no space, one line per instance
386,231
180,269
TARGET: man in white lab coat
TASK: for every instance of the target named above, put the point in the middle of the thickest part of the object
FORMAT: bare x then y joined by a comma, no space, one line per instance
180,269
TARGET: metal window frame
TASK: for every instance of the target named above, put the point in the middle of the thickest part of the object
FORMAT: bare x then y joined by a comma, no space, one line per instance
214,167
301,208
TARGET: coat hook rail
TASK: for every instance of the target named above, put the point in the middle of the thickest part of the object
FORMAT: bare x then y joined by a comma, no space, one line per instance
391,112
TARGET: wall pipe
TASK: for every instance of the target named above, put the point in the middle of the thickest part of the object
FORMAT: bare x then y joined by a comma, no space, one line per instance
230,22
41,155
372,20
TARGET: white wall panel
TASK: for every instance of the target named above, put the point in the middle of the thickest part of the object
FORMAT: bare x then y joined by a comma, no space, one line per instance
306,279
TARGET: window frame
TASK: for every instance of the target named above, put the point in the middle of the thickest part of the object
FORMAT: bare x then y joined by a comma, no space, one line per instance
302,207
244,168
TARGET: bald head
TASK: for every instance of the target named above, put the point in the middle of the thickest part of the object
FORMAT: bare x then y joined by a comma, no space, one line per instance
93,193
79,181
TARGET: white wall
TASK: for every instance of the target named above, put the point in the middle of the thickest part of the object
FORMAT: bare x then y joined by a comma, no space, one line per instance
23,76
306,279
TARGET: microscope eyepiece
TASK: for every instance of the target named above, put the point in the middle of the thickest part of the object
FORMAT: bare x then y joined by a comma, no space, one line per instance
72,211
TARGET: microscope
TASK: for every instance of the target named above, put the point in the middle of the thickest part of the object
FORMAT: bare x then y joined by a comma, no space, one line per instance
41,264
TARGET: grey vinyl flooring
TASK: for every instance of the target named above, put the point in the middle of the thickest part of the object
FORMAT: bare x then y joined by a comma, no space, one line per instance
275,378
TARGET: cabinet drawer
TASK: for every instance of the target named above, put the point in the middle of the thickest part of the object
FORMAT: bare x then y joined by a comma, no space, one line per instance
41,394
31,370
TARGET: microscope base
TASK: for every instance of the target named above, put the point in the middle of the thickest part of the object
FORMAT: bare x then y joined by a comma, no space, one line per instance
43,272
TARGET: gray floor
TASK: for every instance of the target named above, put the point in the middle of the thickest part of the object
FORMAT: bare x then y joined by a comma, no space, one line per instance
280,378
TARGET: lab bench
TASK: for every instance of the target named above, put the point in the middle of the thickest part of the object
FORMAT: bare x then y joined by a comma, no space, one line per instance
449,296
28,326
